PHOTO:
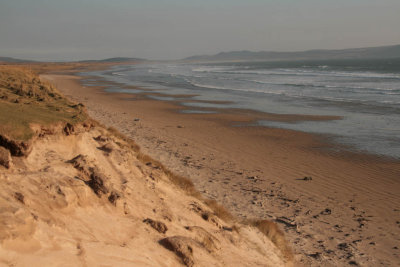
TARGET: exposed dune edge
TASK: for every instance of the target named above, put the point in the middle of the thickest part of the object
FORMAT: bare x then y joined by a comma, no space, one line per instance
83,195
86,198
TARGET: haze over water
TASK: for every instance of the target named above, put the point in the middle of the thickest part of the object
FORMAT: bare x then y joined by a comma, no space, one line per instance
365,92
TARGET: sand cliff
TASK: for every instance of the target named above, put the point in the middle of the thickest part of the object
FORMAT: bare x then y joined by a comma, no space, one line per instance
84,195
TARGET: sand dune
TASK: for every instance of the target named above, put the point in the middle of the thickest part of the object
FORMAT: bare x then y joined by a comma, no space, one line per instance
70,203
83,195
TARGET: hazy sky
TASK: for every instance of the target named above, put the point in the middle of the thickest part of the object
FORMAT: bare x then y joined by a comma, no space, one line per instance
172,29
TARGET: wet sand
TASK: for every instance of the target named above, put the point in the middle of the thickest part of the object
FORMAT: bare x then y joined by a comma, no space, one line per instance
347,213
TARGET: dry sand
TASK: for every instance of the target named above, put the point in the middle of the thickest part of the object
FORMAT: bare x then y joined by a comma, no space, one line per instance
86,200
349,213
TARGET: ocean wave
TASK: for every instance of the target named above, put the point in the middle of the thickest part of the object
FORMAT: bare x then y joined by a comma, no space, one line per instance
390,102
316,88
208,86
360,89
118,74
319,71
293,94
390,93
212,69
300,72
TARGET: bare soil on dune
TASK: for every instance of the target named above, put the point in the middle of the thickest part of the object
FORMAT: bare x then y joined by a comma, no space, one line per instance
337,207
74,193
86,200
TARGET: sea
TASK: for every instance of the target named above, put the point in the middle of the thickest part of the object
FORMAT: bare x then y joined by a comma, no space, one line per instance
365,93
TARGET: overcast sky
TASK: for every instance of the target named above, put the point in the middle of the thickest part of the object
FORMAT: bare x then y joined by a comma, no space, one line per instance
173,29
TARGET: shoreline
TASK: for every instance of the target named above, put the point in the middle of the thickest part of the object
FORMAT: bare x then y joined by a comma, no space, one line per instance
369,115
258,171
254,117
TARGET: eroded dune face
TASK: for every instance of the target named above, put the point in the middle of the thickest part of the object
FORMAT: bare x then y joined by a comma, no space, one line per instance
85,199
75,194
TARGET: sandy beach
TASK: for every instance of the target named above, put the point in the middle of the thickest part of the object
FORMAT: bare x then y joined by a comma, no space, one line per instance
336,207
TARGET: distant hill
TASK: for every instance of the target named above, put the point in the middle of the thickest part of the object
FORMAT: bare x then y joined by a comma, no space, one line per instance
354,53
116,59
113,59
14,60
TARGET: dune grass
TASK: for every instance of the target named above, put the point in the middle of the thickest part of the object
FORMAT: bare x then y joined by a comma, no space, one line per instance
27,100
271,230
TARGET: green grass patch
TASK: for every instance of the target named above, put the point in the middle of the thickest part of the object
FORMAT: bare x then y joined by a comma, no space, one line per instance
15,119
26,100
